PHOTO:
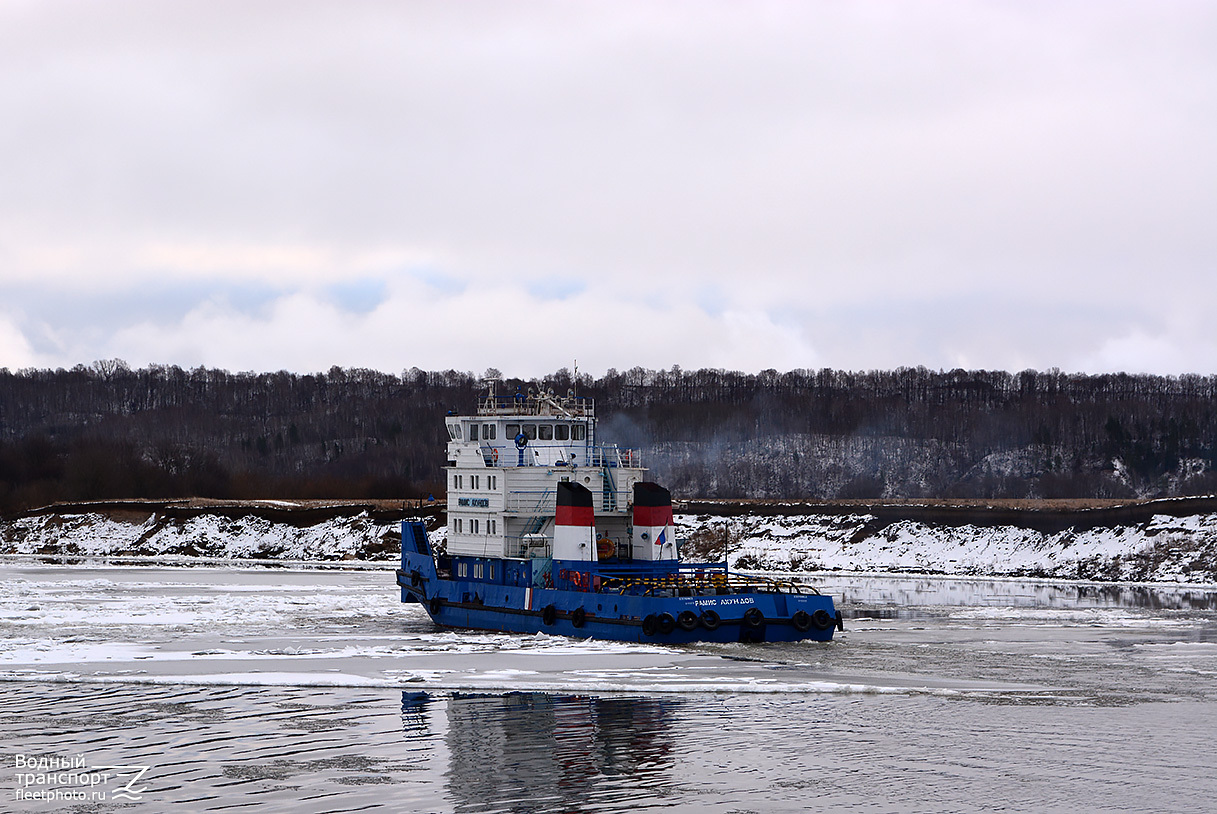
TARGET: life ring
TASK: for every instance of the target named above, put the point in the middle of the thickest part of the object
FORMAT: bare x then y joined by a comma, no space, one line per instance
494,454
578,617
521,440
549,615
754,618
710,620
822,619
434,605
666,623
687,620
649,625
605,548
801,621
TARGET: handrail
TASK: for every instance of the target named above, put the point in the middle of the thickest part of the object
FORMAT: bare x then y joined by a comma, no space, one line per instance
547,453
727,583
533,404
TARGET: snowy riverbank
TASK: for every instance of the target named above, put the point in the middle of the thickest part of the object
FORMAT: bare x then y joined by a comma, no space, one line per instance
1165,548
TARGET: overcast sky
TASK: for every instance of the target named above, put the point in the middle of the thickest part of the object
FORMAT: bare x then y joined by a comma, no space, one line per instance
741,185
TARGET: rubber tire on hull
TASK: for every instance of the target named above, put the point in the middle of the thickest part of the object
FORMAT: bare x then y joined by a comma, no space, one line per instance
666,623
415,578
687,620
710,620
649,625
801,621
434,605
578,617
822,619
549,615
753,617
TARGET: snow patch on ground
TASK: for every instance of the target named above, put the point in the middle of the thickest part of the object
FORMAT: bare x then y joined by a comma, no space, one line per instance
248,537
1166,549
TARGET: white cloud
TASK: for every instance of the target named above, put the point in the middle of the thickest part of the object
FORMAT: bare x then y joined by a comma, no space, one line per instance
1174,352
15,350
479,327
724,181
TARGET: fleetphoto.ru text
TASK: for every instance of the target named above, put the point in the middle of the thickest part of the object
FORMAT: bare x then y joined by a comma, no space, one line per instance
70,778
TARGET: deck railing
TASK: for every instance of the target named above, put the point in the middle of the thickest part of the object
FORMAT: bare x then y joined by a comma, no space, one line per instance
538,405
543,502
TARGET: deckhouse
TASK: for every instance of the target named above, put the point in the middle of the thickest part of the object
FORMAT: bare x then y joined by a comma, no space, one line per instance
520,471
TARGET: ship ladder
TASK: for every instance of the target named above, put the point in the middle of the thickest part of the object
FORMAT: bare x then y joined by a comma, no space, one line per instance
610,490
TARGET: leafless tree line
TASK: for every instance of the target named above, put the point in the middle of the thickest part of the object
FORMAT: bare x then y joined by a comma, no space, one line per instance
108,431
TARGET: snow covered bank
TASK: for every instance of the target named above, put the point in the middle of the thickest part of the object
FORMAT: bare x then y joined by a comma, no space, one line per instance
354,537
1164,549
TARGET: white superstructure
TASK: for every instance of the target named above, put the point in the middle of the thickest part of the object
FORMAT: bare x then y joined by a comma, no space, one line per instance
505,462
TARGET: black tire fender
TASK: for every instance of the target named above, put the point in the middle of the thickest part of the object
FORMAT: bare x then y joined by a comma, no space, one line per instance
753,617
801,621
649,625
710,620
578,617
666,623
434,605
687,620
822,619
549,615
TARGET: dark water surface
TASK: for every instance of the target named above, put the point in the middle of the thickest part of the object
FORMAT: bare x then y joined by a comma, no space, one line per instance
244,689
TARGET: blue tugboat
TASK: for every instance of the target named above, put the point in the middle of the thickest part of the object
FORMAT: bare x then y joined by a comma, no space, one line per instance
549,531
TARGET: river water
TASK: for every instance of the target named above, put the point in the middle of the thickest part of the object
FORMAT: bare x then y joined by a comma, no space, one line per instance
312,689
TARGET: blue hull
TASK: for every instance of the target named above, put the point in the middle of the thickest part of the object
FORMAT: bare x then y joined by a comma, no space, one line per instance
684,603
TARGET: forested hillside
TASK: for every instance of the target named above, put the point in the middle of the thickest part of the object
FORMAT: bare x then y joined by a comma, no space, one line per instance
107,431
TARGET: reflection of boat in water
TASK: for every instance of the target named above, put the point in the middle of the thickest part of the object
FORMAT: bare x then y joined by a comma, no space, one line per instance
549,531
551,749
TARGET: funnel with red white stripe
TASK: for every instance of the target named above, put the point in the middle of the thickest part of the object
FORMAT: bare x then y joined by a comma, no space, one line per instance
654,532
574,523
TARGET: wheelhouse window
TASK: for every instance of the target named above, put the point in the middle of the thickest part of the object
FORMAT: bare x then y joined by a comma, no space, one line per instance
512,430
473,432
489,432
562,432
530,432
545,432
452,432
578,432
